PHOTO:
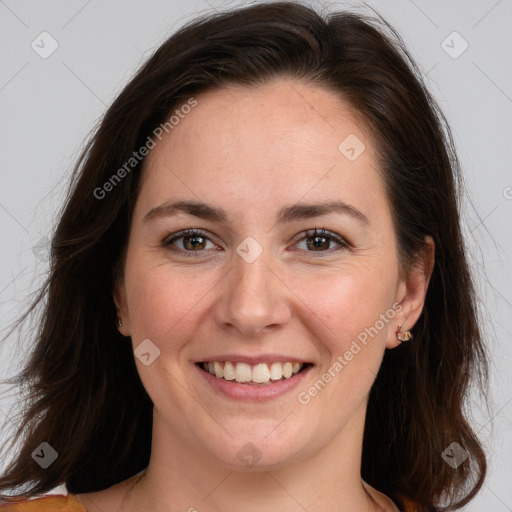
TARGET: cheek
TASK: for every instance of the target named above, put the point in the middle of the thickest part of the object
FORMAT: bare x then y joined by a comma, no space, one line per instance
355,306
349,300
161,299
357,312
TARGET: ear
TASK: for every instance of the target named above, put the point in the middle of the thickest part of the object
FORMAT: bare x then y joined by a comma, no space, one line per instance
412,291
119,296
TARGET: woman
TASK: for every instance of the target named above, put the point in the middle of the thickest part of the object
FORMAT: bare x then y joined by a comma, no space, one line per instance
314,352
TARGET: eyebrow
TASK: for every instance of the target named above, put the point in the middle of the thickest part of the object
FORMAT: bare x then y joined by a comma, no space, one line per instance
286,214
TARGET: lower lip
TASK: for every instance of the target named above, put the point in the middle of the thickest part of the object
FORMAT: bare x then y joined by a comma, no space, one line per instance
237,391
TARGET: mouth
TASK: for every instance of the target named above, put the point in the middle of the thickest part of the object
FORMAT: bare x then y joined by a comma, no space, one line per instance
261,374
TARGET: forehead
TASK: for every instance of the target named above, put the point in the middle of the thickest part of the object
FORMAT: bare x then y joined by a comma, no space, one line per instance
277,141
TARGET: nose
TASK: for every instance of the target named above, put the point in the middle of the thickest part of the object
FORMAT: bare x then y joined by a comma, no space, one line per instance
254,297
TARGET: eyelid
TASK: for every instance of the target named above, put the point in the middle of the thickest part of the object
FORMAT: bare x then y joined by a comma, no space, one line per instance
184,233
341,241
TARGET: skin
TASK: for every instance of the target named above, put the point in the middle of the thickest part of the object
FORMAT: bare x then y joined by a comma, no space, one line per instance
251,152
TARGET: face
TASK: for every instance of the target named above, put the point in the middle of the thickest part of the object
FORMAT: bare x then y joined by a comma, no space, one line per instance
255,285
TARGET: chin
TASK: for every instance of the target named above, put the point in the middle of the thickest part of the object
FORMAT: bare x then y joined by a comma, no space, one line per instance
258,454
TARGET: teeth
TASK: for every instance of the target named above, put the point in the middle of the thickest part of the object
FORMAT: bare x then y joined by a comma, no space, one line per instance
276,371
219,371
261,373
242,372
287,370
229,371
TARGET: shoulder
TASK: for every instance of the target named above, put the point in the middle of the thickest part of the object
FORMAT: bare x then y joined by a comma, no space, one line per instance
53,503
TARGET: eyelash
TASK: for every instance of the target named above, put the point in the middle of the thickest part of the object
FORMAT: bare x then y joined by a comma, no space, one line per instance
343,243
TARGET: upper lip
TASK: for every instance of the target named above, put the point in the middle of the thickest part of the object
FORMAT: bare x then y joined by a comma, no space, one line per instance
253,360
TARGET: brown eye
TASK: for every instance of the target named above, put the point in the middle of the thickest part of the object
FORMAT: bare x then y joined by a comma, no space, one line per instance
320,242
191,241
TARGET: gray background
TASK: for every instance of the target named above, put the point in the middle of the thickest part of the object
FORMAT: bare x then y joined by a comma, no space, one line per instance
49,106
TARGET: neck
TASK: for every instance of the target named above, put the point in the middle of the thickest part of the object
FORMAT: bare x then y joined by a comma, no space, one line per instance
181,477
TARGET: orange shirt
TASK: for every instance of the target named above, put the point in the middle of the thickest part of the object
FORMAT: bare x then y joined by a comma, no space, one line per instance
68,503
53,503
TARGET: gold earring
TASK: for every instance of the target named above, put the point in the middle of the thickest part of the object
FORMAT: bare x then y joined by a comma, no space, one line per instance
404,336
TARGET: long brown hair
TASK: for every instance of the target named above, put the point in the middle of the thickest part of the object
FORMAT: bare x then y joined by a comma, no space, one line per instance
85,397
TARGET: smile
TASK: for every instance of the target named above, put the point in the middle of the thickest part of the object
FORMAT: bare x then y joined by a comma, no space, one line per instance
258,374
